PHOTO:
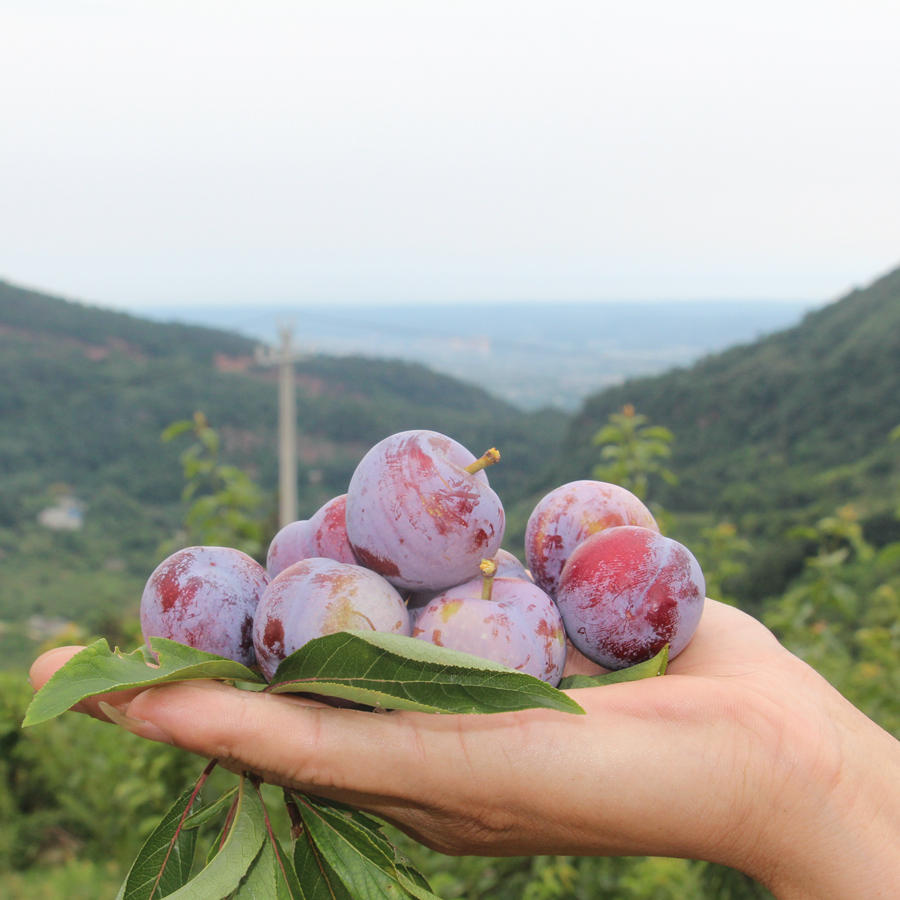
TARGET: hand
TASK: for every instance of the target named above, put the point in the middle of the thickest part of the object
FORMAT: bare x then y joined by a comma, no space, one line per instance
742,754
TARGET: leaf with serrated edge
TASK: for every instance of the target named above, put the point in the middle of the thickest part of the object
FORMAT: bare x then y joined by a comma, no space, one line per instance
650,668
374,827
397,672
413,880
317,880
242,845
158,852
365,865
285,875
202,816
360,817
364,821
98,670
269,879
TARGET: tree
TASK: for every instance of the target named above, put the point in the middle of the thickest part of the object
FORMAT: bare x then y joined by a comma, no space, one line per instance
633,451
227,508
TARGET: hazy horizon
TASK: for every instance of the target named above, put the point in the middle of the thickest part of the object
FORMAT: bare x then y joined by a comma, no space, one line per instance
532,354
165,304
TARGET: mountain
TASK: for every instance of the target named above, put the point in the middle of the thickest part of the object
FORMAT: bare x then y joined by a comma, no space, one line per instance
89,490
85,393
532,354
767,434
776,432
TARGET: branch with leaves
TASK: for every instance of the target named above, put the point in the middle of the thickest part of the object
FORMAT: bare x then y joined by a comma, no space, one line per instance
633,451
226,505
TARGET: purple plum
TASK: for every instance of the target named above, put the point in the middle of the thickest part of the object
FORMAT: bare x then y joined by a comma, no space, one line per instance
508,620
420,511
318,596
205,597
323,534
627,591
570,513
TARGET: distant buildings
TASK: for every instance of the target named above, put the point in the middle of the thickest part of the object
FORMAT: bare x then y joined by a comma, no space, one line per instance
67,514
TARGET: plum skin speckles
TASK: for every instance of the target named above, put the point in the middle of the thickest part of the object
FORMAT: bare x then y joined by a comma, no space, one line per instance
569,514
205,597
318,596
627,591
417,517
519,626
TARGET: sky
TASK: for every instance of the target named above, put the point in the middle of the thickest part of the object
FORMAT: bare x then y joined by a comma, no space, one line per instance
373,151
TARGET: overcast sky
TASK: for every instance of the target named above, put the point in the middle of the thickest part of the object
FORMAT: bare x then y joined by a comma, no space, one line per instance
204,152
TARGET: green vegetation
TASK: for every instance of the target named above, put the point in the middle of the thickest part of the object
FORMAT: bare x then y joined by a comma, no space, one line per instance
226,505
775,434
633,451
788,491
85,395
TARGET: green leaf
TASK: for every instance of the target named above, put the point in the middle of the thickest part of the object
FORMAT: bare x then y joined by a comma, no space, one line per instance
177,428
647,669
202,816
271,877
364,861
373,827
163,863
97,670
397,672
214,847
317,880
242,846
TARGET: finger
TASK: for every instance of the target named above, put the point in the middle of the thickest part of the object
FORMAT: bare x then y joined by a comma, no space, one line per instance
727,640
298,742
47,664
467,783
578,664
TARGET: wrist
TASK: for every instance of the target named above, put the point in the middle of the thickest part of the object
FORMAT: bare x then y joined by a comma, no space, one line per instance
832,823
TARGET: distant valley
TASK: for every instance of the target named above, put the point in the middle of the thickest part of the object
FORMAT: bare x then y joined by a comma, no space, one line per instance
531,354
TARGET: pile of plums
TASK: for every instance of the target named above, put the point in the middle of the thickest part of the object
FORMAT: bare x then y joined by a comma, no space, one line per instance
413,548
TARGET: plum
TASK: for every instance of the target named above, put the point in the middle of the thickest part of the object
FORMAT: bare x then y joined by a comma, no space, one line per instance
570,513
508,620
205,597
508,566
323,534
420,511
319,596
627,591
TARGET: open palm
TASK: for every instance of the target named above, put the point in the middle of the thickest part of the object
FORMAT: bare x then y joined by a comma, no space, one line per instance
700,763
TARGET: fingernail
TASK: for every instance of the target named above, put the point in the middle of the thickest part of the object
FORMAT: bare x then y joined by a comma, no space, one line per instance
140,727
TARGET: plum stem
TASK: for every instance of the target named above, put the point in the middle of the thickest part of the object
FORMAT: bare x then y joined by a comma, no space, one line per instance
488,570
488,458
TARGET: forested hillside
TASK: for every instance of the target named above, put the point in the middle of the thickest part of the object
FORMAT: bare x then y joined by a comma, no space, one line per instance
773,434
86,393
797,418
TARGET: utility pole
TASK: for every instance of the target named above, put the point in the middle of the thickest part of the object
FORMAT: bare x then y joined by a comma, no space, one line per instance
284,358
